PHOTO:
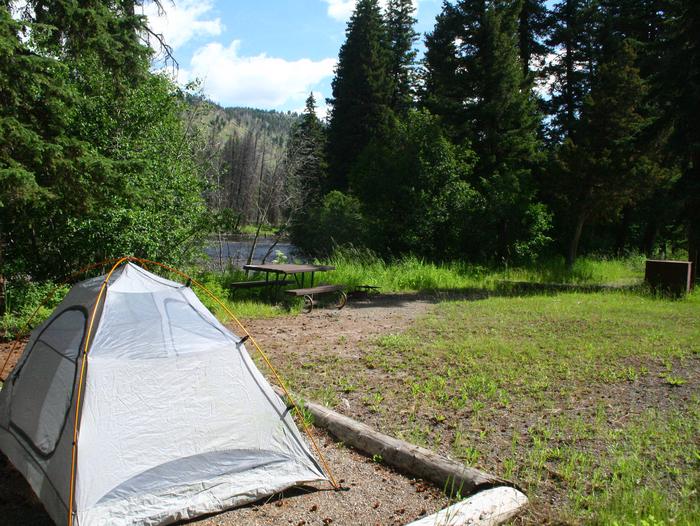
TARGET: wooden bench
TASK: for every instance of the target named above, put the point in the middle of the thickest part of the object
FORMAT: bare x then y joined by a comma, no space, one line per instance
259,283
309,293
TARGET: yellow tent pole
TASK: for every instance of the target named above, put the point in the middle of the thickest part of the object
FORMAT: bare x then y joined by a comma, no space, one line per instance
83,368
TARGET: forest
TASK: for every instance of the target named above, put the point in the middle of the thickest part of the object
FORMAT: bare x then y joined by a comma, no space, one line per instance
527,129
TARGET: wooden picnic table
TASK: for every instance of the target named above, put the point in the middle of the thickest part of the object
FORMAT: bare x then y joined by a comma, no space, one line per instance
282,270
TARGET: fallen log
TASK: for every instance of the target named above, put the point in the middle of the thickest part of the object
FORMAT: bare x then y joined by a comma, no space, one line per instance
490,507
453,477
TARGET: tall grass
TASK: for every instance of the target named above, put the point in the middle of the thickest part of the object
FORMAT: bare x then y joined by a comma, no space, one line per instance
357,267
245,304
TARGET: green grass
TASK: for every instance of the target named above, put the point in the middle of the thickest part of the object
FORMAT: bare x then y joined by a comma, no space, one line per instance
413,274
265,230
363,268
590,402
244,304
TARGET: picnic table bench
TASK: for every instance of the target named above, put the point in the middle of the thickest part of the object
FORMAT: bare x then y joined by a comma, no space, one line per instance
309,293
260,283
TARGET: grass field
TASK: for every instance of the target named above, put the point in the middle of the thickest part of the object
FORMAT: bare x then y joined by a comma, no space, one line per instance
590,402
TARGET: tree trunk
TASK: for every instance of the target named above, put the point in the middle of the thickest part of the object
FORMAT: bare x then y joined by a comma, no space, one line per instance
575,238
415,460
2,277
623,230
693,214
651,232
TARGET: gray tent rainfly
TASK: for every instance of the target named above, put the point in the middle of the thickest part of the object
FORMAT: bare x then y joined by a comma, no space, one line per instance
174,420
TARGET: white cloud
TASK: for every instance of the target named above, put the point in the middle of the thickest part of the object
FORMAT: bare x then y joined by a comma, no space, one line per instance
259,81
183,21
342,9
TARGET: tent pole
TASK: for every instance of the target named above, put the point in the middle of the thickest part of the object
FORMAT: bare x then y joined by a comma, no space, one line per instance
83,368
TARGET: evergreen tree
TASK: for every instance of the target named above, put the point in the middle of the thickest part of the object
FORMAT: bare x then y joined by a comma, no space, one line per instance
95,161
107,31
306,150
450,55
362,91
605,169
573,40
506,144
532,30
476,83
402,38
679,90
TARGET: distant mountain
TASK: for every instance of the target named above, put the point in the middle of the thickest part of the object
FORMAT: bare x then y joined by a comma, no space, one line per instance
226,122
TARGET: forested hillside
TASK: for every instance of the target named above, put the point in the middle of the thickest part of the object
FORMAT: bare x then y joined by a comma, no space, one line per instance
245,149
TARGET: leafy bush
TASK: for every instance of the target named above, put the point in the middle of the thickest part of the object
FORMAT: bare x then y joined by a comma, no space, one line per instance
336,222
22,298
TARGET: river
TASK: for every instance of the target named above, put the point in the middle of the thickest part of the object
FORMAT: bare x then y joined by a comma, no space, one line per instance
235,252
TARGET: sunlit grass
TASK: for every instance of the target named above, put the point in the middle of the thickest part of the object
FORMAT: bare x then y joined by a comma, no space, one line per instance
265,230
355,268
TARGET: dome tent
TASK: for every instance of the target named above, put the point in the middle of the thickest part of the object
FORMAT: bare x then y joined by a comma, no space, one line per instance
174,418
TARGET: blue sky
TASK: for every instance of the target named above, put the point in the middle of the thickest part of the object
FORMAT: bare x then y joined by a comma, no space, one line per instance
266,53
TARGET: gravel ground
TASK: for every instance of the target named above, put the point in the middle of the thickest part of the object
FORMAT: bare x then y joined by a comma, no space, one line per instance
373,495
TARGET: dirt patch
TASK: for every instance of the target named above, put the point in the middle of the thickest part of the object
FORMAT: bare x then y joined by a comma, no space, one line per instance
15,351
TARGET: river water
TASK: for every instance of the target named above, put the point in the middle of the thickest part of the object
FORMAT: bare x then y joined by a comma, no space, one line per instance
235,252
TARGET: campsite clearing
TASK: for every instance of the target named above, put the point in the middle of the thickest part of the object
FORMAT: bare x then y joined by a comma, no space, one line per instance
588,401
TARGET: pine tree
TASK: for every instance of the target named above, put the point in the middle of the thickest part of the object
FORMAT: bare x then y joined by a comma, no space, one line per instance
307,145
532,29
448,65
108,32
94,158
573,39
402,38
506,143
679,91
362,91
476,83
605,169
